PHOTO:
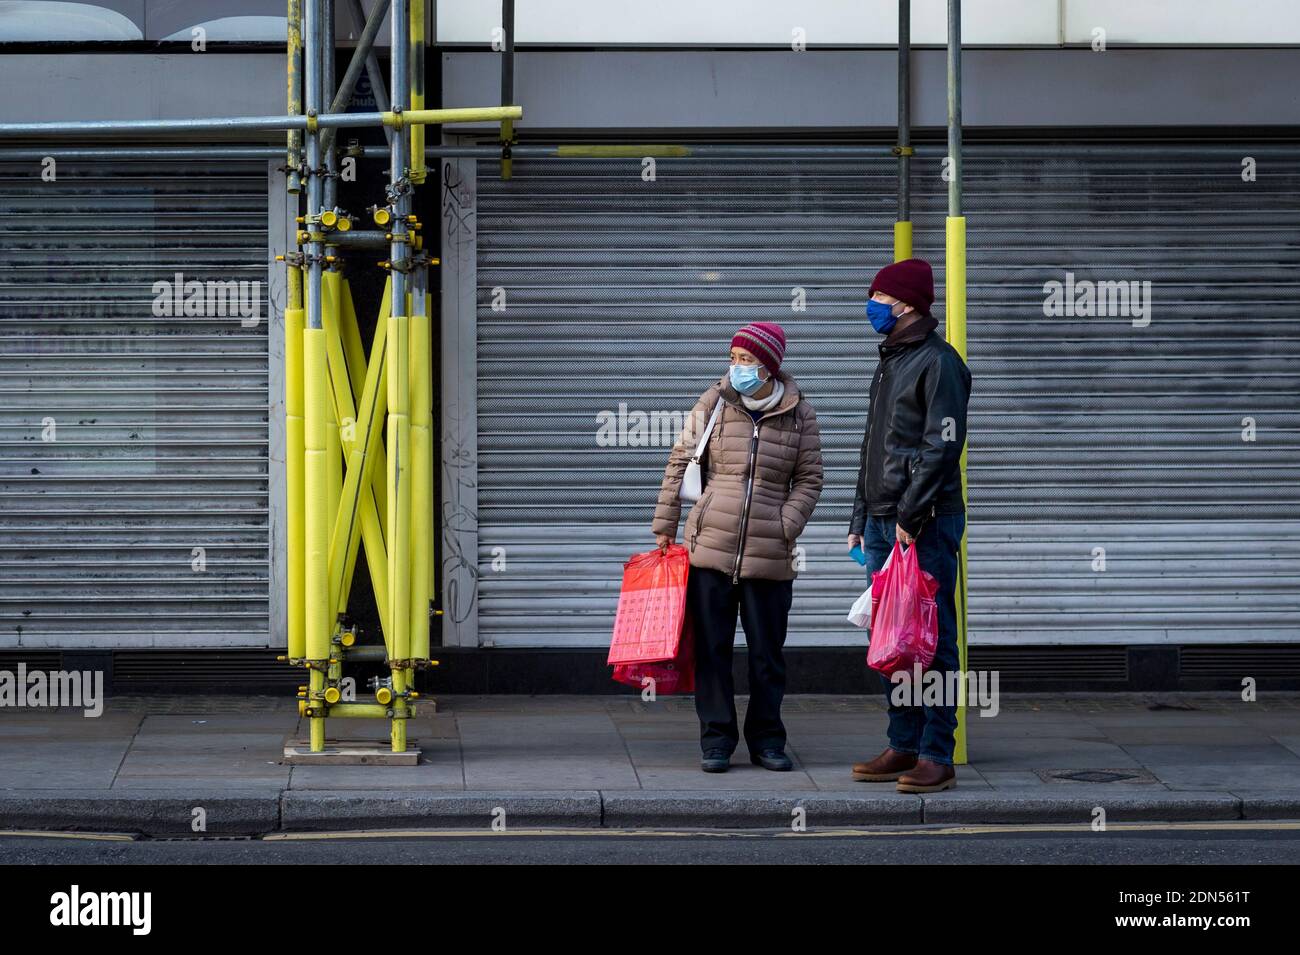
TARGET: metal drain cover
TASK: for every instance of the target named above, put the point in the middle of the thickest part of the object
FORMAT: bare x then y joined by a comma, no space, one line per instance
1095,776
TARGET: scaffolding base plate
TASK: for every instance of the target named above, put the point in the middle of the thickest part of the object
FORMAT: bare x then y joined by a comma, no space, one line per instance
351,752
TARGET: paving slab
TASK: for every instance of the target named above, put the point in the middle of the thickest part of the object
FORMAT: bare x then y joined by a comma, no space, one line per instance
1056,753
741,776
546,771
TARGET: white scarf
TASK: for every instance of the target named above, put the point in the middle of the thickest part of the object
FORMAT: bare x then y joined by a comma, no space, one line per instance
768,403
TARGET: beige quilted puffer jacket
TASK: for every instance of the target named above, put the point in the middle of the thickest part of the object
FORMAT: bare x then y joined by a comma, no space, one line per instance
761,483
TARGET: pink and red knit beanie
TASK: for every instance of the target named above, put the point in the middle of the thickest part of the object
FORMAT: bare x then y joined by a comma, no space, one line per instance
765,341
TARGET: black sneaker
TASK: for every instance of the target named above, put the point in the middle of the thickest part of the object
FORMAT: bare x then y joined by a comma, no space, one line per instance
773,759
716,761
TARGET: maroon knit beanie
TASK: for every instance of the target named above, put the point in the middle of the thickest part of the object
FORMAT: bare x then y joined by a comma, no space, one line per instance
911,281
765,341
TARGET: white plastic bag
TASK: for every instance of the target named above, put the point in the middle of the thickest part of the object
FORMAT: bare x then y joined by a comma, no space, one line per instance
860,615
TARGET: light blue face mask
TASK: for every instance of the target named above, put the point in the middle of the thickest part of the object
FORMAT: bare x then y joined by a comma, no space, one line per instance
744,378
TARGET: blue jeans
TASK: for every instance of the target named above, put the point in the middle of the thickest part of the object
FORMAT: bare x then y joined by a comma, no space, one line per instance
925,730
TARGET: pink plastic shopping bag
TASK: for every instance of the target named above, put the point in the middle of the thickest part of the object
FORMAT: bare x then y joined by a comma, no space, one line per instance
667,676
651,607
904,617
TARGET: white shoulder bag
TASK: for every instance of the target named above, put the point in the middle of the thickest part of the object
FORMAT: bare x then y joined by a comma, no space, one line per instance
693,480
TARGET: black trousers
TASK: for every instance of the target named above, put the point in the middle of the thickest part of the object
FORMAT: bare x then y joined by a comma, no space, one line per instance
713,601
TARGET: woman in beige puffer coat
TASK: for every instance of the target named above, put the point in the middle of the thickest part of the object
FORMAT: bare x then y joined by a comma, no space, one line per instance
763,476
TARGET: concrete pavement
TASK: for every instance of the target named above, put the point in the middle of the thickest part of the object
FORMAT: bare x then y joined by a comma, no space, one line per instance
155,765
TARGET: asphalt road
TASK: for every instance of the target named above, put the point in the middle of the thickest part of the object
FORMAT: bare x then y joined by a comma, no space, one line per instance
1123,844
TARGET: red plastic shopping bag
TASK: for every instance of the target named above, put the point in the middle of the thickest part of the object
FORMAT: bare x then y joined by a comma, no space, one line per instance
668,676
651,607
904,617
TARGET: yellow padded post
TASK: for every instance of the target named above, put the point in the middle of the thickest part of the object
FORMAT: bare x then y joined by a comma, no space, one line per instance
902,240
316,517
421,415
294,321
399,489
333,450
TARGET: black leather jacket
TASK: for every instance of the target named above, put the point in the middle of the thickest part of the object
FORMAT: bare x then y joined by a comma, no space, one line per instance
916,429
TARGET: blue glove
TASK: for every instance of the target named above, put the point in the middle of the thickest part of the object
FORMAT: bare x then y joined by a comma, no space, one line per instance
856,554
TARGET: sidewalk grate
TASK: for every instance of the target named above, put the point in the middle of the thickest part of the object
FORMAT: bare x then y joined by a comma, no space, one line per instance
1095,776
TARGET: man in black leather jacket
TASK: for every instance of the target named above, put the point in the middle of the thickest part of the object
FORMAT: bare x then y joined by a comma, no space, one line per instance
910,489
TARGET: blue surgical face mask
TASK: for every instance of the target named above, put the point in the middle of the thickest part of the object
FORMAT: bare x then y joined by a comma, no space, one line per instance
882,316
744,378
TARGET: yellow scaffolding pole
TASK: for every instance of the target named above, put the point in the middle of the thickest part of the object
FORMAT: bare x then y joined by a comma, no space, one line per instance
294,320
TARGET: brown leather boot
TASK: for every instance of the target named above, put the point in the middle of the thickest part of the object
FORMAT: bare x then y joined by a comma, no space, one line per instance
928,777
885,768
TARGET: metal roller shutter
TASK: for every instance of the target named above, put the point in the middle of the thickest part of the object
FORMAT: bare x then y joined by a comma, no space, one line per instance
130,439
1086,432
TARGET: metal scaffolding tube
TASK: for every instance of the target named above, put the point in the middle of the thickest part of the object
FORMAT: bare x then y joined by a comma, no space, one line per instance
360,57
507,134
399,189
377,85
145,153
294,65
905,114
330,193
313,88
129,127
508,53
363,239
954,107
